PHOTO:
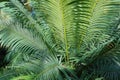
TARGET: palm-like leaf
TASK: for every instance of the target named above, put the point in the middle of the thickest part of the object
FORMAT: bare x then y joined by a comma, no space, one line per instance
80,30
72,20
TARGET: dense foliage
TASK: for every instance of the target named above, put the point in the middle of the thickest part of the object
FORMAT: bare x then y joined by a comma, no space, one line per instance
60,40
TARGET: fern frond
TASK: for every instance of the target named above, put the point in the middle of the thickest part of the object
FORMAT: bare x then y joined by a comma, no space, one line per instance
106,66
21,39
74,22
45,68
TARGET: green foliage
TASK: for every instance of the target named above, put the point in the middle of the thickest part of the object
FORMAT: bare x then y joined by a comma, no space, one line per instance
65,40
22,78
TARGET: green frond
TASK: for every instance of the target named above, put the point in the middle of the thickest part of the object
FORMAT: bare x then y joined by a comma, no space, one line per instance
14,74
22,15
58,16
29,22
22,39
106,66
100,17
28,77
73,21
48,68
6,74
104,15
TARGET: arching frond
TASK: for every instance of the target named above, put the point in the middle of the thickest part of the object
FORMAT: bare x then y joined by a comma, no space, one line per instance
41,69
74,22
21,39
106,66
